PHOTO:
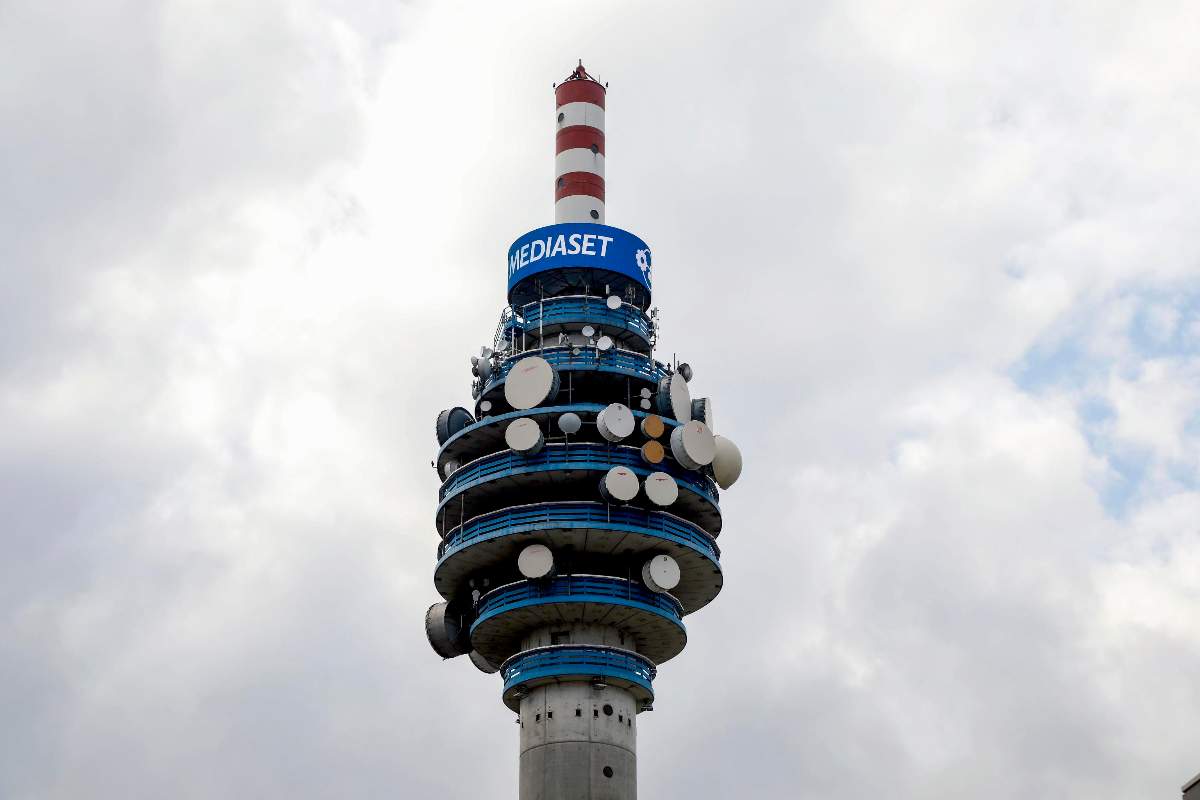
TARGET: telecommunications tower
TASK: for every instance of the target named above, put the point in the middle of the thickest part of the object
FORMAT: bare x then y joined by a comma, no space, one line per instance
578,512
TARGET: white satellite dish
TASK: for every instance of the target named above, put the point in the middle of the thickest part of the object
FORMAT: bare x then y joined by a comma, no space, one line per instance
524,436
619,485
530,381
645,404
485,406
653,452
604,343
661,488
482,664
692,445
661,574
613,302
449,468
588,331
570,423
646,393
674,399
615,422
727,463
535,561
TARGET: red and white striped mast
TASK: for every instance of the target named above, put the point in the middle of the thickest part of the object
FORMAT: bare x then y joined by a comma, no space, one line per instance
579,149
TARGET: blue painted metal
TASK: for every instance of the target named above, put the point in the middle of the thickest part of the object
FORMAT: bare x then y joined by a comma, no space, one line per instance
579,244
581,310
582,456
587,660
577,589
623,362
596,516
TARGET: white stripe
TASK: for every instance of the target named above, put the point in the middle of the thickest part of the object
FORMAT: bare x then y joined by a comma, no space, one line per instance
579,159
579,114
578,208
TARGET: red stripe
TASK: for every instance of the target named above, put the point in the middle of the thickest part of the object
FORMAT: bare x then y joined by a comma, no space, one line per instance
572,183
579,136
579,92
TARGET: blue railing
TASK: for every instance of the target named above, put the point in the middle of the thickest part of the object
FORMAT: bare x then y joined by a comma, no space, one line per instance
583,456
589,660
576,589
625,362
546,516
580,309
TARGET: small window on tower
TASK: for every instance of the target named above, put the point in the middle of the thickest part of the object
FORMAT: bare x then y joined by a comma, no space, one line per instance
595,214
595,149
561,116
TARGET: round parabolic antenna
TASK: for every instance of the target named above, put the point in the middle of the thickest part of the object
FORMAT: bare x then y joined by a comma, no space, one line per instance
686,371
652,452
535,561
524,436
451,421
570,423
449,468
530,381
645,404
652,426
674,398
482,664
661,574
613,302
615,422
604,343
588,331
702,410
483,369
727,463
661,488
447,638
646,393
692,445
485,406
619,485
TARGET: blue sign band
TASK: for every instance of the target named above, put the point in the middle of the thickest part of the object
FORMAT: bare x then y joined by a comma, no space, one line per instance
579,244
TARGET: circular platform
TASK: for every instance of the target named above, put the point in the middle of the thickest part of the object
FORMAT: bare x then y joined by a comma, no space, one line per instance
571,663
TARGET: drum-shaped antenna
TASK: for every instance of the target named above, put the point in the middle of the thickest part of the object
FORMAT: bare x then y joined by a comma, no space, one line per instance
613,302
674,399
661,574
652,426
483,369
536,561
604,343
652,452
619,485
449,468
570,423
530,381
615,422
661,488
451,421
524,436
482,664
692,445
727,462
702,410
588,331
686,371
447,638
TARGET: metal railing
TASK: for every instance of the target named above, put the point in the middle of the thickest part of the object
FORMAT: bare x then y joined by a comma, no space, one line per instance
576,589
576,308
545,516
589,660
596,457
626,362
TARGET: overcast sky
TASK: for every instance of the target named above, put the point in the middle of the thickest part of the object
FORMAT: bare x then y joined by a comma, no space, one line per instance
937,266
